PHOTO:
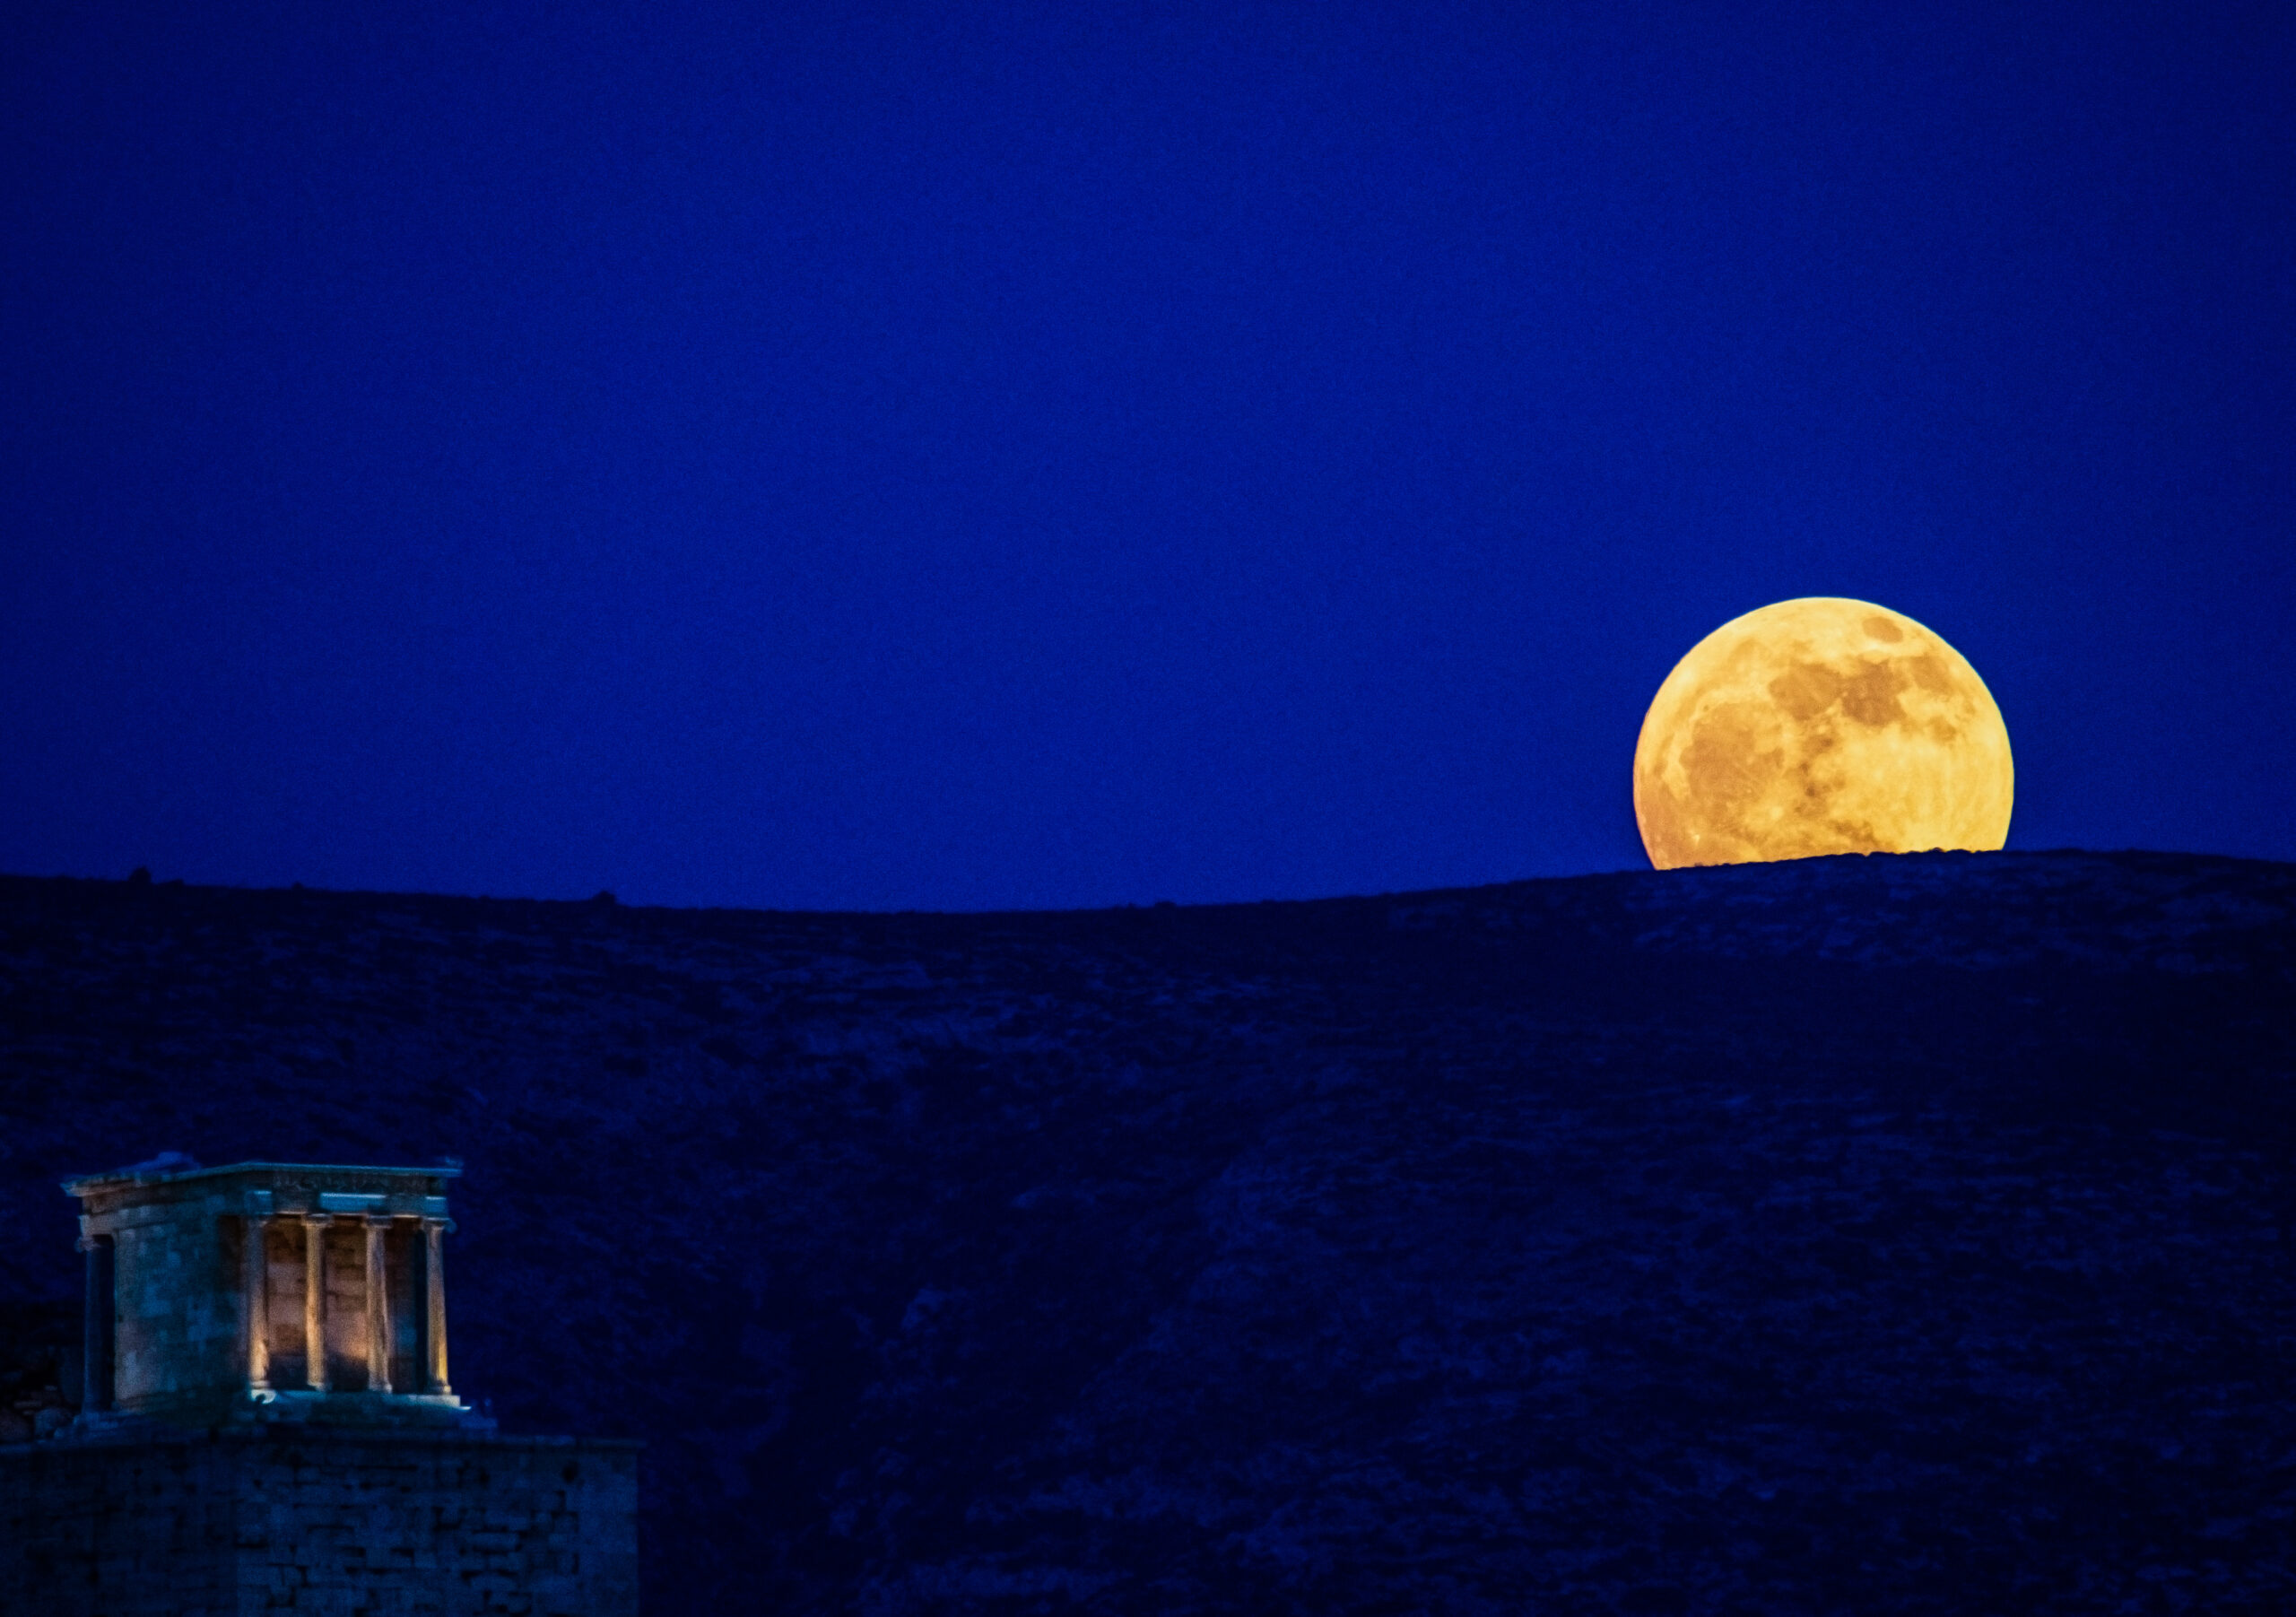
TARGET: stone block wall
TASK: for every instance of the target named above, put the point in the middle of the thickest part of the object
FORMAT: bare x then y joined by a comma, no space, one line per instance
177,1327
319,1524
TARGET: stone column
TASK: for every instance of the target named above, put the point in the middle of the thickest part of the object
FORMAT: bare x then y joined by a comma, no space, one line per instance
378,1306
255,1287
434,1308
315,1299
95,1322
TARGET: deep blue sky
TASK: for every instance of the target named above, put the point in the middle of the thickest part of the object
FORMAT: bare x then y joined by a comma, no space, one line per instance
984,456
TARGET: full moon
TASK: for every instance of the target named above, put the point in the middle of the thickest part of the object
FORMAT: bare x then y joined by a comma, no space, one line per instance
1815,726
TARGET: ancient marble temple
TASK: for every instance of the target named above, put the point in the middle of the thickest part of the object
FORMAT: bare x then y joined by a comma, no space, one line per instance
266,1423
267,1290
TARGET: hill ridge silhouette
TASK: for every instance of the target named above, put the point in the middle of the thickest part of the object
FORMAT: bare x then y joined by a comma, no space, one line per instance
1898,1233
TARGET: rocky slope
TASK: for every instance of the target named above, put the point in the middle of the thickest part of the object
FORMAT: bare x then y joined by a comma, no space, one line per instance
1889,1235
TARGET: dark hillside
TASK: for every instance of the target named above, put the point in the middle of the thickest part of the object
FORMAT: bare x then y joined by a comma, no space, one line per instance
1887,1234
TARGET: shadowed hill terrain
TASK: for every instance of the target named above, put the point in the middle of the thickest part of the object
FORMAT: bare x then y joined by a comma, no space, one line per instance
1888,1234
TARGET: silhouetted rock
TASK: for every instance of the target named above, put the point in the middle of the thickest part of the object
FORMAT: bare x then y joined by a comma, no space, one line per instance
1884,1234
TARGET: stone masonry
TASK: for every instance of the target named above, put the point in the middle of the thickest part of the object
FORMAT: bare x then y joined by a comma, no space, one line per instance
327,1521
266,1425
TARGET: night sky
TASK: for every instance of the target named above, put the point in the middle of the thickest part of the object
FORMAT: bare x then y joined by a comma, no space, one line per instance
991,457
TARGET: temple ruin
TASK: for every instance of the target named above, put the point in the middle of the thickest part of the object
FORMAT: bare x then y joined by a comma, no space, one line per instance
267,1290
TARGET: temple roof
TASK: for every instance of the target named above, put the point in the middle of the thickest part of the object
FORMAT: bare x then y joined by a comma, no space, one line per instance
147,1174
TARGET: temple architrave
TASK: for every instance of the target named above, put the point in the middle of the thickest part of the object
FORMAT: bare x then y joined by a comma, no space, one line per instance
266,1423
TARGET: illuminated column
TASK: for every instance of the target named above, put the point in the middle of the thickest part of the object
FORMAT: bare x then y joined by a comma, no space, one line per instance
255,1287
315,1299
434,1307
379,1307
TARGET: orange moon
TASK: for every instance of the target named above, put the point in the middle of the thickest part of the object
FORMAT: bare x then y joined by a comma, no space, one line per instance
1820,726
